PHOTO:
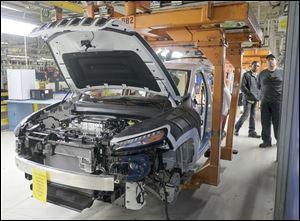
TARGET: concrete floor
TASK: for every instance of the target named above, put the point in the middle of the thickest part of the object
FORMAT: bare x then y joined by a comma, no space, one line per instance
246,190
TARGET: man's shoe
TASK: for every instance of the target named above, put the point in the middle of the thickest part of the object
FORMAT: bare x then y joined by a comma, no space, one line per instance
236,133
264,145
253,134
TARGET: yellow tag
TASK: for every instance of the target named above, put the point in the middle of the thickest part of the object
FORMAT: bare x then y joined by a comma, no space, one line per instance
39,179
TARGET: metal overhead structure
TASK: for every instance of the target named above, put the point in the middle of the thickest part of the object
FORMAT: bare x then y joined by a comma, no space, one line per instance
218,31
199,17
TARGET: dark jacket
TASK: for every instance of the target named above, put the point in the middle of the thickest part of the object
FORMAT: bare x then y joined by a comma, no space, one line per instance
250,87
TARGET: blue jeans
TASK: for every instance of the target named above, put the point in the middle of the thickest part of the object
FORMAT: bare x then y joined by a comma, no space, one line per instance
248,109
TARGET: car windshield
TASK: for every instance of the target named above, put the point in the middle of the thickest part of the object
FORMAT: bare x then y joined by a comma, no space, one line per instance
181,79
100,94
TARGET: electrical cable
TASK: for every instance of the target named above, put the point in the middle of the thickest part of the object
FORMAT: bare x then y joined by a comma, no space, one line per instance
162,170
140,195
66,95
93,36
166,201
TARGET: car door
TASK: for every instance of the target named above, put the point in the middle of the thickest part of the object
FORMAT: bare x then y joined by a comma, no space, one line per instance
200,98
201,95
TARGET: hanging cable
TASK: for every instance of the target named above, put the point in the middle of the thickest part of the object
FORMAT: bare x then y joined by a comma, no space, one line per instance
162,170
166,200
140,196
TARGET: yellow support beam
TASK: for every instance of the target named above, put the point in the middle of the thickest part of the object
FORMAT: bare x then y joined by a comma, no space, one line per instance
35,107
256,52
3,108
4,121
65,5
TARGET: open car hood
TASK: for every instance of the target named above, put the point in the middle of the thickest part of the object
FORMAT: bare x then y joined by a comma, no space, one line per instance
100,53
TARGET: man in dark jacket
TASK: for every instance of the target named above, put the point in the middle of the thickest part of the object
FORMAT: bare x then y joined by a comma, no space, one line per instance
251,92
270,82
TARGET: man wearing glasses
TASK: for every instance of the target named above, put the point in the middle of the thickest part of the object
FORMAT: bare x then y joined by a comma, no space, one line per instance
251,91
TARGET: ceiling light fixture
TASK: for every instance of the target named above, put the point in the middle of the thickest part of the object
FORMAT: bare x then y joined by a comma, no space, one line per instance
165,52
10,8
17,56
14,27
177,54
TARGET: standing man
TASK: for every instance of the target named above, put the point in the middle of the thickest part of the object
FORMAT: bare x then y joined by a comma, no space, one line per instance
270,82
252,94
225,108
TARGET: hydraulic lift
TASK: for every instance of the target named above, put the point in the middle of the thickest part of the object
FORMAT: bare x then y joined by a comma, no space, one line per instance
205,28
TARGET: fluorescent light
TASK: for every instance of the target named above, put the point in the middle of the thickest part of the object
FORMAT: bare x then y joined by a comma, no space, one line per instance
4,43
177,54
17,56
158,51
10,8
9,26
165,52
47,59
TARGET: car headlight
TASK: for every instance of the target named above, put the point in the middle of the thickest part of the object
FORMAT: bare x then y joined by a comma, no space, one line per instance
144,140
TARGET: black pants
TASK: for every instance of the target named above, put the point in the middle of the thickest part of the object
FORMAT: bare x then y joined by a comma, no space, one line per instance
270,112
248,108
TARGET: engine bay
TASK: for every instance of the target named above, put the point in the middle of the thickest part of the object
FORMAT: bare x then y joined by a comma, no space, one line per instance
82,136
62,138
